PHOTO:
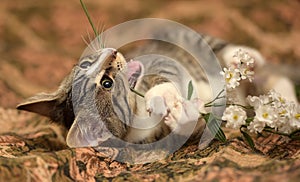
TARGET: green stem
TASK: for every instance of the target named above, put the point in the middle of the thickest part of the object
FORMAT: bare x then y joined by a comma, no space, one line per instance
284,134
89,18
217,97
136,92
214,105
295,132
278,133
219,105
217,118
245,107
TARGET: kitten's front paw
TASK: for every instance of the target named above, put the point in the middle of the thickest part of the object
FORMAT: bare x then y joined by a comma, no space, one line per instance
165,101
156,105
161,98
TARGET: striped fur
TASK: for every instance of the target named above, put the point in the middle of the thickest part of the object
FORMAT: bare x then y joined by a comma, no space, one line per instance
93,113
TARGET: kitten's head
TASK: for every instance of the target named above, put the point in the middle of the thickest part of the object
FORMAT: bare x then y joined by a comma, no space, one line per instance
92,101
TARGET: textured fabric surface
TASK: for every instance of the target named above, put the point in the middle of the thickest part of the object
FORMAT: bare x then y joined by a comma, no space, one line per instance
42,40
32,149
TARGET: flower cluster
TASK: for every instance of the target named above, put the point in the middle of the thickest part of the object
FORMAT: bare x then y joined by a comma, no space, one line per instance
271,110
274,111
240,69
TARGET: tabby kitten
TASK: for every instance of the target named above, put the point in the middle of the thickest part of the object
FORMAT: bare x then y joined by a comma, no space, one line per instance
95,101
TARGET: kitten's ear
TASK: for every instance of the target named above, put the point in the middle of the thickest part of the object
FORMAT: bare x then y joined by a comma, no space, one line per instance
56,105
42,103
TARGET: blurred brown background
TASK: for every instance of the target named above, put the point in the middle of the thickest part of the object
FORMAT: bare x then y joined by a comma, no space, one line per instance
41,40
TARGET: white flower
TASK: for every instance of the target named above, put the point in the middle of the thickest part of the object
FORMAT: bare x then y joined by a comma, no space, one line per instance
246,72
245,64
240,69
285,118
295,116
266,114
276,112
289,118
235,117
243,57
256,126
276,99
256,102
232,77
274,95
296,121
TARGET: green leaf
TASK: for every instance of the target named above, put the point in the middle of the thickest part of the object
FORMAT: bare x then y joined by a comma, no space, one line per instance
206,117
214,127
190,90
249,120
248,139
295,135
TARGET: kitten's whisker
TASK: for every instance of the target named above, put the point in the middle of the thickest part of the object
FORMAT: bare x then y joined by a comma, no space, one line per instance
99,39
91,42
88,44
104,42
101,26
102,37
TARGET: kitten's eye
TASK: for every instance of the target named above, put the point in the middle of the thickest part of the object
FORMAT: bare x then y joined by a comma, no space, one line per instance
107,83
85,64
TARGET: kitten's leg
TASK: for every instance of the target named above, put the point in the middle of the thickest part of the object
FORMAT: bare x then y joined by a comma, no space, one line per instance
281,84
